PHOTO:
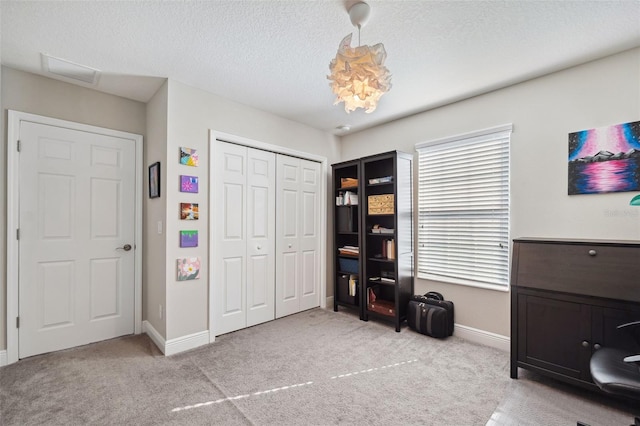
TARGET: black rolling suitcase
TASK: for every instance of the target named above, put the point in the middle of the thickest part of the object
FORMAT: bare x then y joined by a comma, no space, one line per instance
431,315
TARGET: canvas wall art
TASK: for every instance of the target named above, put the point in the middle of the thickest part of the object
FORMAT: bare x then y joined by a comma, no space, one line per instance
154,180
606,159
188,157
188,268
189,184
189,211
188,238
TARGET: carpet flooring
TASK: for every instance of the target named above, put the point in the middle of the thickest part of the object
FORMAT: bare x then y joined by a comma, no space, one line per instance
314,368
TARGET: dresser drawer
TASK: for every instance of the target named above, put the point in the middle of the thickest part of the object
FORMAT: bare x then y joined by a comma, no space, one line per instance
591,269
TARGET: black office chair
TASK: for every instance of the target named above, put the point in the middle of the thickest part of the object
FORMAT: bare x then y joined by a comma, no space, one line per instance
616,371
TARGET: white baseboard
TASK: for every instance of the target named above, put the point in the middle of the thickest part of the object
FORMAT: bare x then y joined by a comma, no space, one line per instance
184,343
3,358
177,345
494,340
153,335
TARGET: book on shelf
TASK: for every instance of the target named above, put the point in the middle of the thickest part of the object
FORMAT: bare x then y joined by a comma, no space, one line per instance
349,250
377,229
383,179
388,249
391,249
382,279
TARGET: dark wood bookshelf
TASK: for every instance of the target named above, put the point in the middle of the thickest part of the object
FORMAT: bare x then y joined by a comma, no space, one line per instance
353,225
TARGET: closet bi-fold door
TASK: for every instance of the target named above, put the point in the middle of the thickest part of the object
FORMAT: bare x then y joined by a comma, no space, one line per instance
244,254
298,242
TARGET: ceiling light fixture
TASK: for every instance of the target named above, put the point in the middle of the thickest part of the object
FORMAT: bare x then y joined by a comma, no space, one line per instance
358,75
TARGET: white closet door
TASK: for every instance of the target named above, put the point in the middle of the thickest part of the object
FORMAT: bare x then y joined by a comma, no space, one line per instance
297,243
230,247
261,225
244,251
309,242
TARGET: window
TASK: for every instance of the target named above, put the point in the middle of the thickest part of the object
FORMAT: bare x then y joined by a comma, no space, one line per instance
463,208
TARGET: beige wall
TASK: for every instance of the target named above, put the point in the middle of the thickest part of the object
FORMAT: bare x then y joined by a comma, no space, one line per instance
154,296
43,96
192,112
543,111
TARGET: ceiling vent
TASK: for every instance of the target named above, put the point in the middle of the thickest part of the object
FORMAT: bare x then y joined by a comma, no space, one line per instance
70,70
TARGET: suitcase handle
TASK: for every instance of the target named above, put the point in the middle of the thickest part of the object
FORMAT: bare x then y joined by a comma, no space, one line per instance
434,295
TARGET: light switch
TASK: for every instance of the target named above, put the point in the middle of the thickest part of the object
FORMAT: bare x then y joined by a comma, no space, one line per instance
159,227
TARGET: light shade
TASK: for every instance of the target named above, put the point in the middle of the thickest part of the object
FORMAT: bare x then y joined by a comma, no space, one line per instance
358,75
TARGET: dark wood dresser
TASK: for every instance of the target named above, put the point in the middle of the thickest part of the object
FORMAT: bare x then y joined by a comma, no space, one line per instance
567,298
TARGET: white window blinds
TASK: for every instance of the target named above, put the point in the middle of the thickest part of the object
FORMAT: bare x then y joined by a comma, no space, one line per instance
463,208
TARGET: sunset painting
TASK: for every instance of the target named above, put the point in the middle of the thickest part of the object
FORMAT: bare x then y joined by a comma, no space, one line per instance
606,159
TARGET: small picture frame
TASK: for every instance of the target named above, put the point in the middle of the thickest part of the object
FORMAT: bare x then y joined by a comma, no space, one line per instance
188,268
154,180
189,211
188,156
189,184
189,238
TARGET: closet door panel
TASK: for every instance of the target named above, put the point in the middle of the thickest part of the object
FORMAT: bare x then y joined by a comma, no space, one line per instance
309,272
233,205
290,216
232,300
290,277
258,294
298,224
261,206
287,241
309,242
229,251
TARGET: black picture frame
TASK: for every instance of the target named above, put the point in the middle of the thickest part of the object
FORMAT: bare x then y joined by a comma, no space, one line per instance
154,180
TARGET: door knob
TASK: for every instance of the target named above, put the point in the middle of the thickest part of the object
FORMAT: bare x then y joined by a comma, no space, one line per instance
597,346
585,344
125,247
592,252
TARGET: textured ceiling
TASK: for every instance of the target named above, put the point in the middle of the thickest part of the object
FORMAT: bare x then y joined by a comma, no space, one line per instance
274,54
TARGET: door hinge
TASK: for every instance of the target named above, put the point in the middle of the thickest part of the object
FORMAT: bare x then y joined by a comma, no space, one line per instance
19,146
17,322
18,234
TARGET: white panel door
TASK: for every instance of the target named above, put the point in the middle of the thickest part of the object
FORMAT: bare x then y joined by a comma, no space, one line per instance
261,225
297,242
309,243
287,256
77,217
229,252
243,206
